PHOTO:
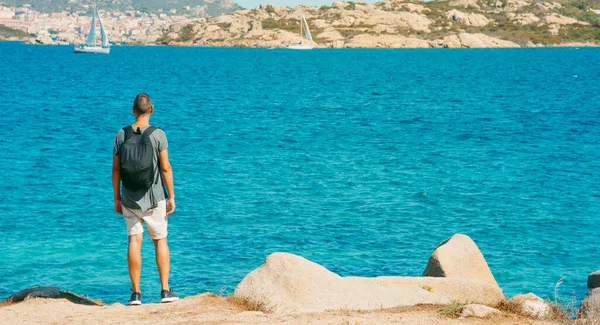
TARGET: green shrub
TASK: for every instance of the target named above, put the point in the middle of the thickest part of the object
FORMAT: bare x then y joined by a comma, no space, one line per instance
186,33
270,10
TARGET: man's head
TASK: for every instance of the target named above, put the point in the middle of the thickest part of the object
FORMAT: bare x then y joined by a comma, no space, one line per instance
142,104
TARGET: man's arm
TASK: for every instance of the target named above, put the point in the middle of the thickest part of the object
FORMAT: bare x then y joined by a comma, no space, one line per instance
116,183
167,174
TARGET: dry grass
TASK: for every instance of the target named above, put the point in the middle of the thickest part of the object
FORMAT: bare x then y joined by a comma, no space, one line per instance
247,305
452,310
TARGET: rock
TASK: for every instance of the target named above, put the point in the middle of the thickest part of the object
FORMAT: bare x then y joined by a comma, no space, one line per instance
383,29
554,29
560,20
411,20
464,291
459,256
238,27
320,23
48,293
255,25
479,311
523,19
547,6
288,283
331,36
464,3
593,280
590,306
386,41
531,305
338,44
44,40
491,42
339,4
451,42
470,19
414,7
515,5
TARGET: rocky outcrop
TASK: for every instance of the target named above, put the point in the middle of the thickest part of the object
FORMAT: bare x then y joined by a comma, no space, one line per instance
387,24
479,311
531,305
469,19
48,293
465,4
288,283
43,40
590,306
461,290
459,257
523,19
466,40
547,6
593,280
386,41
560,20
515,5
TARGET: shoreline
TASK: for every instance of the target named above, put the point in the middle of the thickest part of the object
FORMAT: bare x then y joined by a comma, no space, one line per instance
213,309
566,45
457,287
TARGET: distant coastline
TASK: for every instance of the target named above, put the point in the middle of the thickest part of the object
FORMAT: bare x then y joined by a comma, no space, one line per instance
564,45
387,24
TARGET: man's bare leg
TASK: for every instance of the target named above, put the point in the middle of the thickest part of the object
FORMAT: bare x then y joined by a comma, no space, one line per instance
134,261
163,261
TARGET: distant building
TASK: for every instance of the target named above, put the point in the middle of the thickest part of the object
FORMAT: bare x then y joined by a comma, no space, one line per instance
6,13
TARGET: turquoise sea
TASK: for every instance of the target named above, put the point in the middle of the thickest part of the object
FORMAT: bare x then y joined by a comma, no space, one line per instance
361,160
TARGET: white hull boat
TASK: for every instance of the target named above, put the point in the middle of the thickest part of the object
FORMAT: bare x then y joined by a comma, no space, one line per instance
94,49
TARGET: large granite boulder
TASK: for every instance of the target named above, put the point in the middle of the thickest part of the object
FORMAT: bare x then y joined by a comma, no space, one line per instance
531,305
288,283
464,291
590,306
459,257
48,293
470,19
593,280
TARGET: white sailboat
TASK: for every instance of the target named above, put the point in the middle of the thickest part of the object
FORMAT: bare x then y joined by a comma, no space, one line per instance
304,33
90,44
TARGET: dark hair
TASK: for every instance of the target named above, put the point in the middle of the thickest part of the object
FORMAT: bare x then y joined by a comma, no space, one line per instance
142,103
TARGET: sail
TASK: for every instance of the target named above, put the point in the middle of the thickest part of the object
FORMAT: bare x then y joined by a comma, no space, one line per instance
103,31
91,39
307,32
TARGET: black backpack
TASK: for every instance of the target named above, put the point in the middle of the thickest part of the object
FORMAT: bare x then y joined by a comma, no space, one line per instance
137,159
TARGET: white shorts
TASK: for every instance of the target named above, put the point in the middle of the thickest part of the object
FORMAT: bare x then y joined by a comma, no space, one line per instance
155,219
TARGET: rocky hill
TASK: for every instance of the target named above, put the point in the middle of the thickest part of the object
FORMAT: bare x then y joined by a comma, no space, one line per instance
7,33
198,8
400,23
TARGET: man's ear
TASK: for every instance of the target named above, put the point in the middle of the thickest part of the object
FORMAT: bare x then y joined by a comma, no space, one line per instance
152,109
133,111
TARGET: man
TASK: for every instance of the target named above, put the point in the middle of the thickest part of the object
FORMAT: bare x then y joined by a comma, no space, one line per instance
140,152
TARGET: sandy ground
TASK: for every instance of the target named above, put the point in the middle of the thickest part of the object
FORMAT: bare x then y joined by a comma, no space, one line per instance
211,309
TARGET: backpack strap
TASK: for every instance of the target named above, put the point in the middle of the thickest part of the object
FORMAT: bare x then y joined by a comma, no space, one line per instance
146,136
149,131
128,132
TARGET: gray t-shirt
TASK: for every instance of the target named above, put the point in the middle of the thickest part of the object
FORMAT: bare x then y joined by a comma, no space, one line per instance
144,199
